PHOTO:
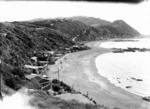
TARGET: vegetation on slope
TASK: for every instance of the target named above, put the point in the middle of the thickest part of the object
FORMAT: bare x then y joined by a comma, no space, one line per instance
18,42
118,28
42,101
91,21
72,29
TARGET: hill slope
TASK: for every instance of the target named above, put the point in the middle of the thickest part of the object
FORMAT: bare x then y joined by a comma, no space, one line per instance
118,28
20,39
72,29
91,21
124,27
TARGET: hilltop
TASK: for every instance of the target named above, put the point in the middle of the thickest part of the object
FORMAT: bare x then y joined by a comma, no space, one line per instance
119,28
116,29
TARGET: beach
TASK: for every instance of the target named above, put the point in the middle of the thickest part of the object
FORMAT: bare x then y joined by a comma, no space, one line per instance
79,71
129,71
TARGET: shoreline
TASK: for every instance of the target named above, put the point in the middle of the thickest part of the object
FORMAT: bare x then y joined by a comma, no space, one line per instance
126,81
79,70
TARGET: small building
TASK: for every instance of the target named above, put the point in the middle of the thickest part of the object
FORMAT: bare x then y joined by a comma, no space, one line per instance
37,82
41,63
34,69
33,82
58,55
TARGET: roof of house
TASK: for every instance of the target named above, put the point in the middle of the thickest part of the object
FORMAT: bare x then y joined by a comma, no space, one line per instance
33,67
32,76
34,58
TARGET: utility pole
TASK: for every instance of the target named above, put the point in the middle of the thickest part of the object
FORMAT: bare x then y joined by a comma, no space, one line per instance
58,72
59,68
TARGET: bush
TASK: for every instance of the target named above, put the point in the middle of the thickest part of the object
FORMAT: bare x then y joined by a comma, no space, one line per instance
10,82
68,89
56,87
55,81
18,71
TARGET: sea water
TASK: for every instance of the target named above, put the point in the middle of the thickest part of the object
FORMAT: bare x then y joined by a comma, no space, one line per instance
128,70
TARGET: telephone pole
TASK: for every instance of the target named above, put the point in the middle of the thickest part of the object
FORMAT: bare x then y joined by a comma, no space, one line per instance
59,68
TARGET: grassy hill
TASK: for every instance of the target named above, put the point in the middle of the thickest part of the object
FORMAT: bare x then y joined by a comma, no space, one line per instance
118,29
107,29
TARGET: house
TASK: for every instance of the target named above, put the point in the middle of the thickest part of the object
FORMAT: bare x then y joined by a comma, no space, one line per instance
34,69
37,82
33,82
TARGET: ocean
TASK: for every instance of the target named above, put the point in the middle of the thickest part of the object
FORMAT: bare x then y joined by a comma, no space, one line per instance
128,70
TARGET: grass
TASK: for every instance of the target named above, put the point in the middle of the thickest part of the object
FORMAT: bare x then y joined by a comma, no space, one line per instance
43,101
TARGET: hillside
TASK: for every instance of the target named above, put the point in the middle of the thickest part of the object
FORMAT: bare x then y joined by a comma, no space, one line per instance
116,29
19,40
74,30
18,43
125,28
91,20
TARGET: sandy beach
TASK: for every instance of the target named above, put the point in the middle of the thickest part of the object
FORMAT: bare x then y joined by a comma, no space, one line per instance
79,71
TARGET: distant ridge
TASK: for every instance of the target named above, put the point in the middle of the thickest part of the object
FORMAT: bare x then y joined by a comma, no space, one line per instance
118,28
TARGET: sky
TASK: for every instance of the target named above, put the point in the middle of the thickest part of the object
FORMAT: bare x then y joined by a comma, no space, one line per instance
136,15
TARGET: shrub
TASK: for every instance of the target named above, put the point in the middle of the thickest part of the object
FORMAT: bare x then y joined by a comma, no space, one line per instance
18,71
55,81
56,87
68,89
10,82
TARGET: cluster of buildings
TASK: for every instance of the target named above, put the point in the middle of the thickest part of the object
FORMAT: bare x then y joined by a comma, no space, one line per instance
39,66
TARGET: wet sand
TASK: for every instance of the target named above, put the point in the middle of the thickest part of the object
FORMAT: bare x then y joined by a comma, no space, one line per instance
79,71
